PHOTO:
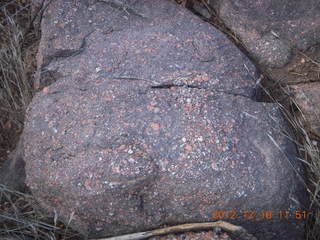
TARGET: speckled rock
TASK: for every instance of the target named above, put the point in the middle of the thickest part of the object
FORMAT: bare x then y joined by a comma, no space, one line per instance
147,117
271,29
307,96
283,36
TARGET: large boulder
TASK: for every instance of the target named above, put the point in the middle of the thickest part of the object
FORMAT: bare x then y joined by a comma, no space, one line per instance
147,117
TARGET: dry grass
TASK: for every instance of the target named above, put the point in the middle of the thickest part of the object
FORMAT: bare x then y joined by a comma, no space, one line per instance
21,219
15,85
310,156
309,153
19,216
15,82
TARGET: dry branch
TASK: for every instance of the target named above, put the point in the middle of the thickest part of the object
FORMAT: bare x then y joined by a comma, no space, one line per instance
228,227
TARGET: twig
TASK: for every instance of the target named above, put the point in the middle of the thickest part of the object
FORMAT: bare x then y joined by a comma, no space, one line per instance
228,227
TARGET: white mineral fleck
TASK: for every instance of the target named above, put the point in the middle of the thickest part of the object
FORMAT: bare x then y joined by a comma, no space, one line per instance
200,139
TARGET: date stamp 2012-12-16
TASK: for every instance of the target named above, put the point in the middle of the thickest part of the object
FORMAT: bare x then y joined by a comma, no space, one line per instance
250,214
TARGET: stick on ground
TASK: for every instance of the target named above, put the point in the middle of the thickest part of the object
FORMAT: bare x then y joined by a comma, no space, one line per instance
228,227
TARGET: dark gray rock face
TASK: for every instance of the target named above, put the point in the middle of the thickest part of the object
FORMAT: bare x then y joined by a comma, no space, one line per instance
274,32
150,121
271,29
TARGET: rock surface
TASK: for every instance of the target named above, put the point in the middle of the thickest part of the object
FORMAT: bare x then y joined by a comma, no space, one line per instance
146,117
279,35
272,29
302,76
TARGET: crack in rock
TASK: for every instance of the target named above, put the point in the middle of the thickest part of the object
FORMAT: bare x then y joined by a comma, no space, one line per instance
169,86
253,96
65,53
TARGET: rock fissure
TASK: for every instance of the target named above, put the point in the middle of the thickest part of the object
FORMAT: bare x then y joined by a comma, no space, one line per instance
252,96
228,92
66,53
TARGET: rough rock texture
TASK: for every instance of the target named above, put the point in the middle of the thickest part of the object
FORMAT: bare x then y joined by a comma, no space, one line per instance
150,120
271,29
308,98
284,37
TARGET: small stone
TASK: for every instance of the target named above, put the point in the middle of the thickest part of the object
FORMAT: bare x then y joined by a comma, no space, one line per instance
188,147
45,90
